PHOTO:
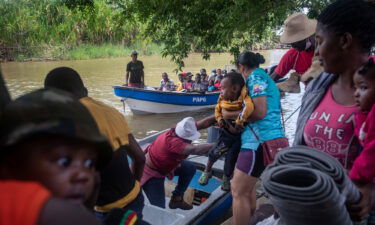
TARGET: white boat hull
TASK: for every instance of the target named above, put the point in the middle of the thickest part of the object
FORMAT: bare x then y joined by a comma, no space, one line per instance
147,107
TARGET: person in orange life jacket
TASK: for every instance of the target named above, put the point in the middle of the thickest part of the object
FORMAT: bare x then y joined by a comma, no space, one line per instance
299,32
119,186
165,157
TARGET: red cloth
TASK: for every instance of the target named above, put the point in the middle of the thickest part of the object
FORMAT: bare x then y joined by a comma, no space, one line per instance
330,129
135,85
21,202
166,151
363,169
187,85
299,61
149,173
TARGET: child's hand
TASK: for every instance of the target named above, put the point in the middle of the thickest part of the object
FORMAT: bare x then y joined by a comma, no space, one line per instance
360,210
222,123
232,129
238,128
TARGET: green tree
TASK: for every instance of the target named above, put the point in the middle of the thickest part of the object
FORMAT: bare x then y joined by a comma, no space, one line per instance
184,26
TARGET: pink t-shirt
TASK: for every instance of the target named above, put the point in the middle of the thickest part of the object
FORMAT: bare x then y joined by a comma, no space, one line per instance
330,129
187,85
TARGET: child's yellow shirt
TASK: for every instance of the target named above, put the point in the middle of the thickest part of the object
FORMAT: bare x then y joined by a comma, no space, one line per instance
243,103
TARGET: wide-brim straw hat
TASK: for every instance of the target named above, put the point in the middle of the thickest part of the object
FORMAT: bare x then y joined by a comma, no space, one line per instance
297,27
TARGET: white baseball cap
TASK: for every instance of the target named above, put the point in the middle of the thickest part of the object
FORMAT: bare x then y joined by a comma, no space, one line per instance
186,129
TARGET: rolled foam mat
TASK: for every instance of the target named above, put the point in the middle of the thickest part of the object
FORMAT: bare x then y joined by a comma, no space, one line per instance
309,187
305,196
311,158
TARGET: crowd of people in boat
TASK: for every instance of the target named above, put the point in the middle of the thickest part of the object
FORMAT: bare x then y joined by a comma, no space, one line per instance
64,154
187,82
201,83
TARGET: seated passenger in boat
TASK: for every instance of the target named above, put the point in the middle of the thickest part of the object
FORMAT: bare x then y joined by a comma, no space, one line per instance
165,157
188,84
218,81
181,81
199,85
204,75
211,87
233,97
166,84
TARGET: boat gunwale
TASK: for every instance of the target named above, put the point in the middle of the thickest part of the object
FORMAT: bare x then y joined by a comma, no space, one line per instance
166,92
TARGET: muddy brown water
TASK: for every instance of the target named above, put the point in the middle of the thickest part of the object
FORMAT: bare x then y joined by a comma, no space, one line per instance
100,74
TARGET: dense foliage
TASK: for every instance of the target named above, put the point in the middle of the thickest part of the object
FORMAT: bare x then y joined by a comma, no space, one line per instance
188,25
180,27
30,27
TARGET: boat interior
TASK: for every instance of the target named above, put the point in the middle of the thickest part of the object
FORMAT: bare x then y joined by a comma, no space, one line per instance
208,201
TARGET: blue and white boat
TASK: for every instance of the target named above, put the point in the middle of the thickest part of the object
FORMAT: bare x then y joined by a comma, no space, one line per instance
143,101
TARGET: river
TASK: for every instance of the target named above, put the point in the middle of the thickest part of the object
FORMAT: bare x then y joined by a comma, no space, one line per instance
100,74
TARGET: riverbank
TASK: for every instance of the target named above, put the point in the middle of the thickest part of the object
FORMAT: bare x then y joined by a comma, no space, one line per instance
89,51
84,51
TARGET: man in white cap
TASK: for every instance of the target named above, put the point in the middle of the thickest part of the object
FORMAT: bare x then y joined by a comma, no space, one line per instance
165,157
135,70
299,32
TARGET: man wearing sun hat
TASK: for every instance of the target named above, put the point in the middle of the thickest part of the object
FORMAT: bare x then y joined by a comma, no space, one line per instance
165,157
135,76
299,32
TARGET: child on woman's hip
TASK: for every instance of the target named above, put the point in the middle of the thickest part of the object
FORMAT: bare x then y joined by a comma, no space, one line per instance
363,170
233,97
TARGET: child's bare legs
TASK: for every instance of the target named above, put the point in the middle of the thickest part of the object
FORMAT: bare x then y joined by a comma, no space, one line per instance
207,174
213,156
209,166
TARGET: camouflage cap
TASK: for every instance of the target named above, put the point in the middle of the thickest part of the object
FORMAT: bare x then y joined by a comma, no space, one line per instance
51,111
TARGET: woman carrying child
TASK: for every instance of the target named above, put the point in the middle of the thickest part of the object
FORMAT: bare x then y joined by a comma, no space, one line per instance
344,36
265,125
233,97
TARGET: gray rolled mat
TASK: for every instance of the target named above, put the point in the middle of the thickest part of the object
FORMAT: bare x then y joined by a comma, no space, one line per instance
304,196
311,158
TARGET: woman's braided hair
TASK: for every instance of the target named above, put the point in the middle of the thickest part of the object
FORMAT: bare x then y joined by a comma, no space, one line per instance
356,17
